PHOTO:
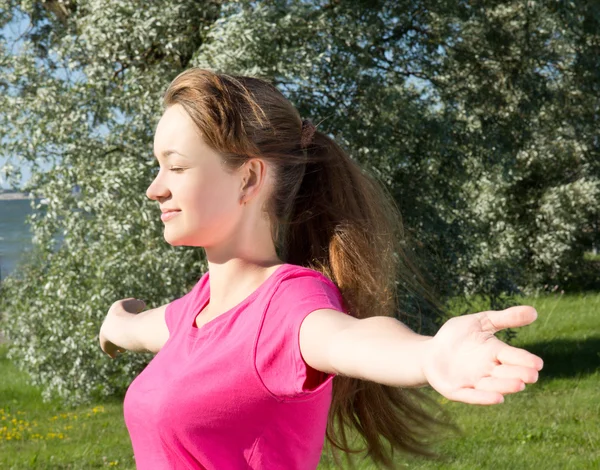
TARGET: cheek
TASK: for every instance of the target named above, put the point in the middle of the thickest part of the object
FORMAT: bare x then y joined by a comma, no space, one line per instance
211,211
210,200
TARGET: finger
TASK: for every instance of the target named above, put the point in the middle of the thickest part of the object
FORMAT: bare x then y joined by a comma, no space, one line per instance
492,384
476,397
509,355
513,317
526,374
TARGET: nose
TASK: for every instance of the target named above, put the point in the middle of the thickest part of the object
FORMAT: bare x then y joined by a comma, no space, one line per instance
157,190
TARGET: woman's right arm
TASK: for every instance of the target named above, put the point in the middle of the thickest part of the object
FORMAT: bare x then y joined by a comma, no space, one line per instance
126,327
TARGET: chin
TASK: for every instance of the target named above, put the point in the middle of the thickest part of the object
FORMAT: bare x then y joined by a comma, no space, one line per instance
173,240
178,240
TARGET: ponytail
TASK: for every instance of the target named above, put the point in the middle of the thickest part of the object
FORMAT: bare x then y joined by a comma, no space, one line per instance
344,225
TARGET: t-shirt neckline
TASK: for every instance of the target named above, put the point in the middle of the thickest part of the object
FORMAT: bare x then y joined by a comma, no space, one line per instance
198,307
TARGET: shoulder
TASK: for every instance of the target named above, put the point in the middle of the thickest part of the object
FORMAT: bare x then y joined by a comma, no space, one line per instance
298,292
302,283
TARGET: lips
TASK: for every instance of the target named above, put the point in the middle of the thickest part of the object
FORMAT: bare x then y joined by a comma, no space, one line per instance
168,214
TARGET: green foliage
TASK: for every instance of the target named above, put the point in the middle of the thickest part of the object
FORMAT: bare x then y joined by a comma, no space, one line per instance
480,118
461,109
97,115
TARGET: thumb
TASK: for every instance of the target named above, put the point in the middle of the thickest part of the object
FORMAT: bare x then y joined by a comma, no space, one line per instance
512,317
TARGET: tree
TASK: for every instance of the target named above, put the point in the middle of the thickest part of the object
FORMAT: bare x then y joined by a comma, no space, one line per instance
478,117
85,91
461,108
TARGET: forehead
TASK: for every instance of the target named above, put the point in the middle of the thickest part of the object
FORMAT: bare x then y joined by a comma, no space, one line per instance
176,131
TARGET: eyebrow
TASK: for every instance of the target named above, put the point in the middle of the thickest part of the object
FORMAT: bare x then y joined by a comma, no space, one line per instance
165,154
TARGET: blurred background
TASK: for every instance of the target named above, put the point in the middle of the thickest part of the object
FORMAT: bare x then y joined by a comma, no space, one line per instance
481,119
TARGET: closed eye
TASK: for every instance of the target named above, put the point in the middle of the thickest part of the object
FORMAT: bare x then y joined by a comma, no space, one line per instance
176,169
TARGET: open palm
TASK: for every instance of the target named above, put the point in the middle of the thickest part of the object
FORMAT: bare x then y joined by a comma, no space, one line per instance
468,363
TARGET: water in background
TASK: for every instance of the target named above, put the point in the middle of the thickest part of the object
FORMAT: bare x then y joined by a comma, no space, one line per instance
15,237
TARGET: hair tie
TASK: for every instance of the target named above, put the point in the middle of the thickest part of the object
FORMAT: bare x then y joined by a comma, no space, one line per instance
308,131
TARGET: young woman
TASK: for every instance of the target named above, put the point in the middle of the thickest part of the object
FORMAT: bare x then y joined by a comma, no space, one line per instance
290,335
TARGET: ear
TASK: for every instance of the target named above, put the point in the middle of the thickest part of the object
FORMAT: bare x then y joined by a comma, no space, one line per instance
253,179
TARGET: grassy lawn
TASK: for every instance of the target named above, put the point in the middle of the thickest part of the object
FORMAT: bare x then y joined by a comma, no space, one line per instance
34,435
553,424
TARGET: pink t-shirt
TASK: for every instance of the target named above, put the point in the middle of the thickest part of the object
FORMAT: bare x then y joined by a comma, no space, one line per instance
235,393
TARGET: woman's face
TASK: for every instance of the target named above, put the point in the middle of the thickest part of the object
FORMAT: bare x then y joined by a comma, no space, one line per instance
192,183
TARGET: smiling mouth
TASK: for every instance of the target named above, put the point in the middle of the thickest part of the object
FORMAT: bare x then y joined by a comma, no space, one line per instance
168,215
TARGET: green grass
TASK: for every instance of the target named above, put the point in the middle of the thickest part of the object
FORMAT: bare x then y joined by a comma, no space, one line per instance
553,424
34,435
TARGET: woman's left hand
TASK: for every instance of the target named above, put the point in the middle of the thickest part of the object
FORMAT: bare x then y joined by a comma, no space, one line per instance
467,363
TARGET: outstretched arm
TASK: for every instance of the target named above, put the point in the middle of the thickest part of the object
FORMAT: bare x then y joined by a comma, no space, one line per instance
128,328
464,361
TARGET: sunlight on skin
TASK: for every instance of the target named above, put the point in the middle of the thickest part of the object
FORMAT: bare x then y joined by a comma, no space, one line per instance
469,364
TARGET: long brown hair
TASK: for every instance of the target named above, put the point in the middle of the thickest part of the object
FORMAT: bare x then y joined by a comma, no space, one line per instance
327,214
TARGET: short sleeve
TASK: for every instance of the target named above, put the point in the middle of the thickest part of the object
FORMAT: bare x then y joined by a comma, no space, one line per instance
278,359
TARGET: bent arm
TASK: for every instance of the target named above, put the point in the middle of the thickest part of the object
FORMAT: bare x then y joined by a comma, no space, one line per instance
378,349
